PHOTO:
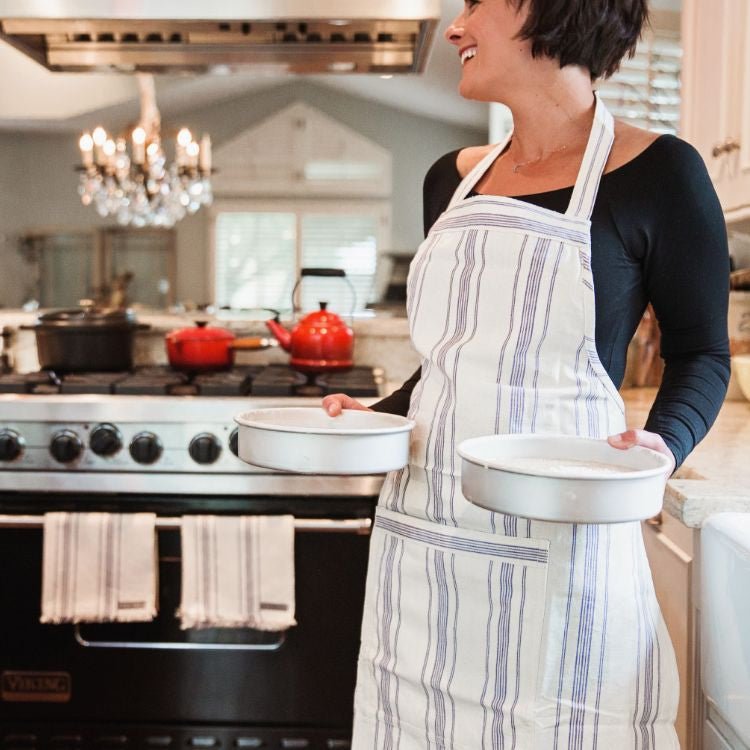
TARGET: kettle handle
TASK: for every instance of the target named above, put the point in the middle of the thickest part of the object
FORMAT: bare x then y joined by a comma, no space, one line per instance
322,272
337,272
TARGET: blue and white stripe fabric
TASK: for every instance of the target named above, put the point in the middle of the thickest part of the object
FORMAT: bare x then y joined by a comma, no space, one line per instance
489,631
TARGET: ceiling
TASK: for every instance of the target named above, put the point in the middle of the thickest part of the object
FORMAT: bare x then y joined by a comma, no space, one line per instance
33,98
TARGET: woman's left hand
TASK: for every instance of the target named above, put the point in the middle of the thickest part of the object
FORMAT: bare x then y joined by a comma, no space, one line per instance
631,438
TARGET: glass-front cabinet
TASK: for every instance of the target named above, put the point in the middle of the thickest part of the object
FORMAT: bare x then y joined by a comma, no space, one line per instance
115,267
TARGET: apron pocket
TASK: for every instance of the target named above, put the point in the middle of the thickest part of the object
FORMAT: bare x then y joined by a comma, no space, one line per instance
451,634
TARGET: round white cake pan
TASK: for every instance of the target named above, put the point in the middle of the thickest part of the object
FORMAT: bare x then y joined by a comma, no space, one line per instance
307,440
489,480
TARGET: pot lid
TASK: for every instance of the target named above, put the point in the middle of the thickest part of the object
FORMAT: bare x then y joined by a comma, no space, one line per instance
88,316
201,331
322,317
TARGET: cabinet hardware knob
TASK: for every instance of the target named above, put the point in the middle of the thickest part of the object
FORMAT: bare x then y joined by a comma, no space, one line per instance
655,520
729,145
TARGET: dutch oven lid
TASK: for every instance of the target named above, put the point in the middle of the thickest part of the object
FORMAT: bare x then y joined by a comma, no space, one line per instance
201,331
88,316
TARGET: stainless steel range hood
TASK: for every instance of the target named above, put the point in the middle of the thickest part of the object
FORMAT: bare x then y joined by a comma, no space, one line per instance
167,36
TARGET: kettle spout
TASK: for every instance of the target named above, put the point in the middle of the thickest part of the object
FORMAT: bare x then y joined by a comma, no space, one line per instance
280,333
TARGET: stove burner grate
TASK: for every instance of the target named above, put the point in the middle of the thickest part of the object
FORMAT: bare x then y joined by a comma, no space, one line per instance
154,381
42,382
267,380
235,382
93,382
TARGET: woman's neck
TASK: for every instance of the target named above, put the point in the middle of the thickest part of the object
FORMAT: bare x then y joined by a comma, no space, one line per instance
551,114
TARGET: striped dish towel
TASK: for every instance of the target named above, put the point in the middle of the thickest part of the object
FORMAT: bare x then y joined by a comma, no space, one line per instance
99,567
237,571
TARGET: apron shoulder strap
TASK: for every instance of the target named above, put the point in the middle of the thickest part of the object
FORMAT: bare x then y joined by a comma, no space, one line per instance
476,173
595,158
599,145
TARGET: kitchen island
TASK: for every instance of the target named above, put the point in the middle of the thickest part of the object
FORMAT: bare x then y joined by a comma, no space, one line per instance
712,480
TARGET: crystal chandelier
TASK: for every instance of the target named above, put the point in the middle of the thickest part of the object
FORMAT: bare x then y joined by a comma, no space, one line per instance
141,188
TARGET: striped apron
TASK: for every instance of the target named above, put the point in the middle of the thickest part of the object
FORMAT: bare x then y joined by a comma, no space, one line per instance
483,630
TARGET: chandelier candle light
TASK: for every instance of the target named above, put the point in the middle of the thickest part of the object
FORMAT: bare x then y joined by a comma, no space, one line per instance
140,188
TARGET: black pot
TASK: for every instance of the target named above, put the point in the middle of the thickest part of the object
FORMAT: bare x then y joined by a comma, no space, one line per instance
86,339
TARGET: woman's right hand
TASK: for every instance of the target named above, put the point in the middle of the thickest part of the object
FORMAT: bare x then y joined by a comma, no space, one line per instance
335,403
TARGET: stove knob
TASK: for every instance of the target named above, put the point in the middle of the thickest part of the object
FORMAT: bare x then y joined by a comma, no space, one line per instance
66,447
11,445
105,440
204,448
234,441
145,448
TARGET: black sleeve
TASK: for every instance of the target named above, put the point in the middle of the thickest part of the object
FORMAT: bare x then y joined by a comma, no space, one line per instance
398,401
440,183
686,272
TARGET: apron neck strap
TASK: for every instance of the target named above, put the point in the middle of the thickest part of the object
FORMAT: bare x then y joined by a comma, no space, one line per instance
471,179
599,145
592,167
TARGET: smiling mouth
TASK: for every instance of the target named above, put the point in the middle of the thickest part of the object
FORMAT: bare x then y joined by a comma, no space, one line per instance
467,54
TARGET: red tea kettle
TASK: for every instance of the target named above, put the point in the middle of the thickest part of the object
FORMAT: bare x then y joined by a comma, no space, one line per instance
321,341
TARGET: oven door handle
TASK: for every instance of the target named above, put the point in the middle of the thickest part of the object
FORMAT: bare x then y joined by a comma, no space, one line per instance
175,646
163,523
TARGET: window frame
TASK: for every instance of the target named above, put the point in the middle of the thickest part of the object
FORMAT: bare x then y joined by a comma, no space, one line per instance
379,207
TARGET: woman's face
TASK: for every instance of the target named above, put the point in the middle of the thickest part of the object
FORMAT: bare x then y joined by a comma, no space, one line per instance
493,60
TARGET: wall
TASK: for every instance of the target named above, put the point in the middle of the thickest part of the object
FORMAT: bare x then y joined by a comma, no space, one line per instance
38,190
38,185
739,243
11,174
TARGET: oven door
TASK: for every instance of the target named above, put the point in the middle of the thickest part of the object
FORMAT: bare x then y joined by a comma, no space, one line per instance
154,673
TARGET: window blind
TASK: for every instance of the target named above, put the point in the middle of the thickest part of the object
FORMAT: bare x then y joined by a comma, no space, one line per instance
646,89
254,254
339,241
259,254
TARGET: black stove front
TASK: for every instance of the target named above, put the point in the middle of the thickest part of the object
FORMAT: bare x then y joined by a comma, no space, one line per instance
151,685
266,380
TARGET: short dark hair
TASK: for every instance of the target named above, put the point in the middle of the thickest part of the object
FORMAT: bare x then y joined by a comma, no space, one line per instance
595,34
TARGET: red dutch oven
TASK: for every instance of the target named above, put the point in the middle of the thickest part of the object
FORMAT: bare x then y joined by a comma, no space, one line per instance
204,347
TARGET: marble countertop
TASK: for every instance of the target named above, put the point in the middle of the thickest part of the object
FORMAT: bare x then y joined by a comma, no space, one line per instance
162,322
714,477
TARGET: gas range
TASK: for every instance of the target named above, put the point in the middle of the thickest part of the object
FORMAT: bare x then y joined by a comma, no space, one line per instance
169,451
157,431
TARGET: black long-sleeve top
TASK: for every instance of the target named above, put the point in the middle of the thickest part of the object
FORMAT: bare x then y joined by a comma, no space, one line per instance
657,235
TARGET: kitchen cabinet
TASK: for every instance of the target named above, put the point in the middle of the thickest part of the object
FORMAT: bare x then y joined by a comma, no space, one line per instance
671,549
712,740
63,267
115,266
715,115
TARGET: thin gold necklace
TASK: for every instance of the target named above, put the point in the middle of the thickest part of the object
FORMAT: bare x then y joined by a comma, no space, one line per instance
517,166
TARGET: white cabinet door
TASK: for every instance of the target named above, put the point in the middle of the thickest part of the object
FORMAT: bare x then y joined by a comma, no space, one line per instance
712,740
718,735
736,198
715,115
671,561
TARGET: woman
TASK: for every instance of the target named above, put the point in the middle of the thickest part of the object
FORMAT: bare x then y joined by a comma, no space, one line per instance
486,630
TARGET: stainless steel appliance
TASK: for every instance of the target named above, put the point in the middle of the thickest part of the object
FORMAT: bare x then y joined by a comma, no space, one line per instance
291,36
119,449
